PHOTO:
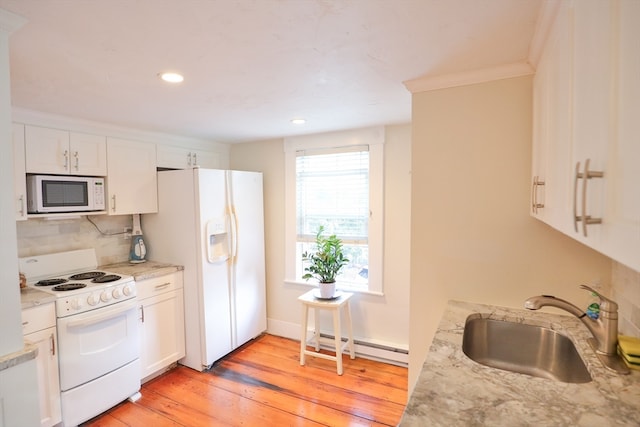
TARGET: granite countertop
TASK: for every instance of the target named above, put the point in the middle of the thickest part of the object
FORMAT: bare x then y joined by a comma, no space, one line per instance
28,352
30,297
453,390
144,270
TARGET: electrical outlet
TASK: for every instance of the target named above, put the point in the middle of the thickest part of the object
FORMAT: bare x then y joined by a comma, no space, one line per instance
127,232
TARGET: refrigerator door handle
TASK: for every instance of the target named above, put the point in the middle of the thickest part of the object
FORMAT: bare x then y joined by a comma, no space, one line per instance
234,236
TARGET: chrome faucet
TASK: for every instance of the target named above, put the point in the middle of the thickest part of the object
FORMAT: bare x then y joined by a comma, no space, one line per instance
604,329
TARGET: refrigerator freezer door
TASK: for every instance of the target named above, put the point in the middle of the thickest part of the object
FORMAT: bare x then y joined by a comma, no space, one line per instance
215,308
217,237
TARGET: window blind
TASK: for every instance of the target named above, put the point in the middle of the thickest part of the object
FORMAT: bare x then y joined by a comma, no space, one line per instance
332,189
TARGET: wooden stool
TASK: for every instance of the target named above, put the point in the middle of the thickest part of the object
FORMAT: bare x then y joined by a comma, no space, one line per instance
309,300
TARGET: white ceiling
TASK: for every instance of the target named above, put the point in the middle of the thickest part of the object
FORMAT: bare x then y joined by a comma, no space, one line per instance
252,65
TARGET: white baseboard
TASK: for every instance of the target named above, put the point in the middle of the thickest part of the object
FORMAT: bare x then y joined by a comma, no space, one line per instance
383,352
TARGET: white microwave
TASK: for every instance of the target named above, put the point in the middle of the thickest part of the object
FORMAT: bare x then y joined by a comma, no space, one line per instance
53,193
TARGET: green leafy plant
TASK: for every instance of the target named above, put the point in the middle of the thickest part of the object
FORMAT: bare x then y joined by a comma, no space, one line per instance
327,261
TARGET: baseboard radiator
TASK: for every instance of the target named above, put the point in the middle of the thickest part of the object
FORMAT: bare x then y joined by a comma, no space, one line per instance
374,351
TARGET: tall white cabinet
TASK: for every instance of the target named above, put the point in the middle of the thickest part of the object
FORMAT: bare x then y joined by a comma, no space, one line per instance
586,130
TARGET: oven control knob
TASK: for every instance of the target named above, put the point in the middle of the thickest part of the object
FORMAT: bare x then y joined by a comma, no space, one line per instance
116,293
93,299
76,304
126,290
105,296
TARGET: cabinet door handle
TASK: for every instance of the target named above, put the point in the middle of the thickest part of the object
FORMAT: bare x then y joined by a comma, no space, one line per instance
66,159
53,344
576,177
77,157
535,205
189,159
22,205
195,159
142,313
586,176
113,203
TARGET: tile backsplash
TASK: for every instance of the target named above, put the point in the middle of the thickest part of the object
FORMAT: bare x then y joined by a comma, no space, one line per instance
42,236
625,290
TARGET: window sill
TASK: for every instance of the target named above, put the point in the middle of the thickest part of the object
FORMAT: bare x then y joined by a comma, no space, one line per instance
339,286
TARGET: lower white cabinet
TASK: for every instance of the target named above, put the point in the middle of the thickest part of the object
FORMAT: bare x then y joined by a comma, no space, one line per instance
18,403
162,323
39,328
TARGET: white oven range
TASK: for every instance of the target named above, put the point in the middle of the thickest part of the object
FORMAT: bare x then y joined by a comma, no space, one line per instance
97,325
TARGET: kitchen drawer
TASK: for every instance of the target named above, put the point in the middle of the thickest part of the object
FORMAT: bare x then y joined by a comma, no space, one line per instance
157,285
37,318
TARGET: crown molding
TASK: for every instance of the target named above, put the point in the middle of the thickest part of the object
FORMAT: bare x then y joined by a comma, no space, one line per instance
546,17
10,22
443,81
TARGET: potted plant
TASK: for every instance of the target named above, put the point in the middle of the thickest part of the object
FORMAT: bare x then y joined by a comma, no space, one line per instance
325,263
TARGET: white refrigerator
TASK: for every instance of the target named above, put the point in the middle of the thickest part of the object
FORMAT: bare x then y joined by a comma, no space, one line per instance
212,223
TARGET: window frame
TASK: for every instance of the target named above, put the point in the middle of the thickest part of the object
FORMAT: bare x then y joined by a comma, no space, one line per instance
374,139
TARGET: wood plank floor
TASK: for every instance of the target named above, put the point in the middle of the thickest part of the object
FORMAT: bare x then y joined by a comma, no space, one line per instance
263,384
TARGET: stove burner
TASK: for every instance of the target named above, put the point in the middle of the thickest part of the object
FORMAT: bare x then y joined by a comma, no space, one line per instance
69,287
87,275
107,278
51,282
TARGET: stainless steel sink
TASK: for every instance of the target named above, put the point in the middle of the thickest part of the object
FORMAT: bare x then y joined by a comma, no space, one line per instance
526,349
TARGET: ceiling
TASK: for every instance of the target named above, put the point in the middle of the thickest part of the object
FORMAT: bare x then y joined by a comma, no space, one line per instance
251,66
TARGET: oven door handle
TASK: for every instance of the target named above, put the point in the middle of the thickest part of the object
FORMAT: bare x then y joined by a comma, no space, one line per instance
117,310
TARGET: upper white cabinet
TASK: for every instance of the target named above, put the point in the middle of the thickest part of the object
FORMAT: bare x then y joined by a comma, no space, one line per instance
550,191
621,217
586,128
19,172
131,177
54,151
171,157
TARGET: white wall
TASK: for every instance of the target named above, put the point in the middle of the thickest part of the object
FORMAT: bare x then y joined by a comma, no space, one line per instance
383,320
472,236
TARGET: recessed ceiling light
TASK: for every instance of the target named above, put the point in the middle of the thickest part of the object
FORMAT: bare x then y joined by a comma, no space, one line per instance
171,77
298,121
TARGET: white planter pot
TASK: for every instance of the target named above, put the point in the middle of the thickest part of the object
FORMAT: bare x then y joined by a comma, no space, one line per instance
327,290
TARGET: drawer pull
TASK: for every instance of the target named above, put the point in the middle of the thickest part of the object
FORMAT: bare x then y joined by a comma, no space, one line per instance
164,285
25,323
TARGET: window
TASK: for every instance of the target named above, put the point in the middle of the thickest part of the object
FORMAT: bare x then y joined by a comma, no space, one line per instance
335,180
